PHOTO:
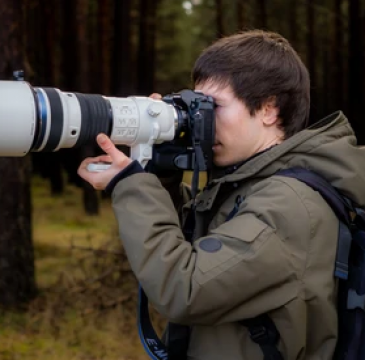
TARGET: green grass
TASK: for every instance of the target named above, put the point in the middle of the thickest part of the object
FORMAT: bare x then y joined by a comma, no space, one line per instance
85,309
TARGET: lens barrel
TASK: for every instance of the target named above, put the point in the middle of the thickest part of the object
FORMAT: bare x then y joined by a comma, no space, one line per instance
96,117
65,119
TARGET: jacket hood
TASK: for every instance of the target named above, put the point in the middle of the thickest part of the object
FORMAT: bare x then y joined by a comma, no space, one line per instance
329,148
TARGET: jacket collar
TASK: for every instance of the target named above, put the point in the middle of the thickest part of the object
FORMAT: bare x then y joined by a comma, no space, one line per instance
268,162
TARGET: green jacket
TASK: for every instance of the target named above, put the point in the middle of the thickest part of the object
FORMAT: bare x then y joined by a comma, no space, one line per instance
275,256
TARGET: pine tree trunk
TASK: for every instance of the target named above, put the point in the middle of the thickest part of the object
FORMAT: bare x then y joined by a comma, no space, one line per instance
356,72
17,282
262,13
90,196
241,12
146,49
219,18
311,56
336,99
121,60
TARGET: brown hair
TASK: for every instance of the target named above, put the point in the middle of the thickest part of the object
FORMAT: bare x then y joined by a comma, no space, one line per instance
260,66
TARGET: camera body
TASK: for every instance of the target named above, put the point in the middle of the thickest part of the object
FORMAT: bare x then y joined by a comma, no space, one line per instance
194,134
36,119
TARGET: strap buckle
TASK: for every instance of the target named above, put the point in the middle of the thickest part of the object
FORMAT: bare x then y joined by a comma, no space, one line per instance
259,334
355,301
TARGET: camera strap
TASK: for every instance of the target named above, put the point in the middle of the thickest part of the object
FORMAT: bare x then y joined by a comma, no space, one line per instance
177,335
152,344
200,164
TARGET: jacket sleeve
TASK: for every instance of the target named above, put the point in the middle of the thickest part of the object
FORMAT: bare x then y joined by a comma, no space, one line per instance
179,192
240,269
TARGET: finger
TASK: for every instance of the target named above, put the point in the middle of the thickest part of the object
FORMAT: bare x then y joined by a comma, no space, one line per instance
156,96
90,160
97,159
106,145
105,158
86,162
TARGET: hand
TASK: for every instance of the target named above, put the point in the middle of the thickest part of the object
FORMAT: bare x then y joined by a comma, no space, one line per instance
156,96
118,161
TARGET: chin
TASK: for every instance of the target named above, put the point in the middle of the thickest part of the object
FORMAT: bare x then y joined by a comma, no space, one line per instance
221,162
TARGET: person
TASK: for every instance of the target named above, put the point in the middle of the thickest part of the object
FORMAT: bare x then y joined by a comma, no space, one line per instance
276,255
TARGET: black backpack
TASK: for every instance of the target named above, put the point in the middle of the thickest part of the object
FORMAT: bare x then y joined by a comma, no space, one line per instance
349,269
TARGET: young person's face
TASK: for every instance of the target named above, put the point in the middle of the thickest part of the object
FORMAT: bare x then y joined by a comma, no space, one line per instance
238,134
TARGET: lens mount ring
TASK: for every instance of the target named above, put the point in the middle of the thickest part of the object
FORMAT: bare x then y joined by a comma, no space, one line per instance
42,118
56,125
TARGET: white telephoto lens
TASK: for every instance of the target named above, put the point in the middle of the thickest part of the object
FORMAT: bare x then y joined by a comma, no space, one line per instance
18,118
141,120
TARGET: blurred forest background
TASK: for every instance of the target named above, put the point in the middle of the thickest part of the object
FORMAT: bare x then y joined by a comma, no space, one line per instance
60,300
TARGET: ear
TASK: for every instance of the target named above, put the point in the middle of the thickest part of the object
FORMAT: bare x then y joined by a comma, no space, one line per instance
270,112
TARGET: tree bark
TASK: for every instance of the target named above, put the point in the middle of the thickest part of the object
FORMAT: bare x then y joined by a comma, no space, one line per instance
293,23
121,65
356,72
121,60
146,48
17,281
219,18
311,56
262,18
336,101
90,196
241,14
104,29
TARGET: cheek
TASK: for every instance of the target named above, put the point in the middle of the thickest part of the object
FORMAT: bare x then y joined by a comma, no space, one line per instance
221,118
221,128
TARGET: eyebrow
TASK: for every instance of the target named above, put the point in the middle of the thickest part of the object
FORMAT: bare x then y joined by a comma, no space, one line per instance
216,92
218,97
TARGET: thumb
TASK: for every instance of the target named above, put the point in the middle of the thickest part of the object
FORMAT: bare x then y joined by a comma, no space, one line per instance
107,146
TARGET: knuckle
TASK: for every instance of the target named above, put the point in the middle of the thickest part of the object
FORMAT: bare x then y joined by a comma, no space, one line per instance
98,185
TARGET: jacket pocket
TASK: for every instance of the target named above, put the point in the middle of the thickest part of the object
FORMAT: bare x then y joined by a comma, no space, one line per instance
237,239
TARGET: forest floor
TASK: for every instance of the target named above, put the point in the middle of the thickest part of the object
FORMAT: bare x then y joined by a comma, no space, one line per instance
86,305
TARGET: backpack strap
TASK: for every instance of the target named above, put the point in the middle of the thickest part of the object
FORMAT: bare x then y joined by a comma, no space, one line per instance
265,334
341,206
335,200
351,242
